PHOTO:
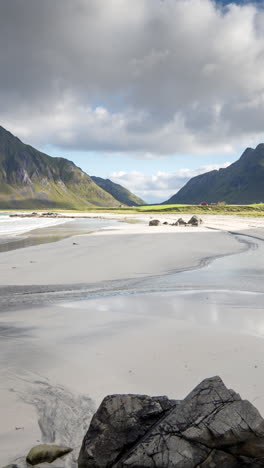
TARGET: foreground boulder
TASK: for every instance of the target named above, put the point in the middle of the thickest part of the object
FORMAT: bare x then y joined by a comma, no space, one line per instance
120,422
154,222
211,427
46,453
195,221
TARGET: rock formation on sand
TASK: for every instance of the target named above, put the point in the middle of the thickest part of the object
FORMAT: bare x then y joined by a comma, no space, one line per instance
46,453
211,427
155,222
195,221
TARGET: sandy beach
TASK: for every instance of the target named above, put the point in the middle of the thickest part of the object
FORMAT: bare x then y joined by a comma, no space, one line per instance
127,309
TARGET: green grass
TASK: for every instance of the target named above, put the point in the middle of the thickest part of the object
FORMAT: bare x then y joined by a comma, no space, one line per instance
241,210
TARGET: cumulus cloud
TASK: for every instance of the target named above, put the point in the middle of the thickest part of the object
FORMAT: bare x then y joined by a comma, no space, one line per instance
147,78
160,186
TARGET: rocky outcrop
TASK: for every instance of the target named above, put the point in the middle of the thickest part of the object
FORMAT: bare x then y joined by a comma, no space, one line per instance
180,222
154,222
195,221
46,453
119,423
211,427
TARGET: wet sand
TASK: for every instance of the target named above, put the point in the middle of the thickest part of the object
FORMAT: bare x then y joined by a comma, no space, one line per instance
147,322
35,237
103,257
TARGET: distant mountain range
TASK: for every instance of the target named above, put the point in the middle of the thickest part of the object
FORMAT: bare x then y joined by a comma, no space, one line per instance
30,179
240,183
119,192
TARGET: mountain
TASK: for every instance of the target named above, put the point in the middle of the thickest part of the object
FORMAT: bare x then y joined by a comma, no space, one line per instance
119,192
240,183
31,179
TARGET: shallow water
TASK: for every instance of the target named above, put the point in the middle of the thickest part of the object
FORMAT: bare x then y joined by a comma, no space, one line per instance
155,335
56,230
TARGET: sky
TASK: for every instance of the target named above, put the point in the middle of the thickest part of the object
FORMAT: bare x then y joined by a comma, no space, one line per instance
147,93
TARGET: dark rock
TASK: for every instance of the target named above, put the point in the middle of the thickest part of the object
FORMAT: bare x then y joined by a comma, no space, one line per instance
211,427
155,222
165,223
181,222
195,221
119,423
46,453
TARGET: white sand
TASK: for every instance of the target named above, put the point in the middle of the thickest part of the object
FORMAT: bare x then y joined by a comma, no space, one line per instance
163,344
156,344
124,251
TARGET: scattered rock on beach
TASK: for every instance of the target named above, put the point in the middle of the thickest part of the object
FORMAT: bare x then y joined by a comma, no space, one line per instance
155,222
211,427
46,453
181,222
195,221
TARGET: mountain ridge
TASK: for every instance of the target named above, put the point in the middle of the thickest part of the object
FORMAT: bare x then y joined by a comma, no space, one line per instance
239,183
118,191
32,179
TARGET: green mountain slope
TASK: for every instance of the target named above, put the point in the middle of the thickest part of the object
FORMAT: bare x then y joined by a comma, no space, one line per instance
119,192
240,183
31,179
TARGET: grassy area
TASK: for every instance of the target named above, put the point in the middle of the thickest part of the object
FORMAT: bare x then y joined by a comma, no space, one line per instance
242,210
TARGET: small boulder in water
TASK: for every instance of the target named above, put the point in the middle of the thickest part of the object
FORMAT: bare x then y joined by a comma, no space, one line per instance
46,453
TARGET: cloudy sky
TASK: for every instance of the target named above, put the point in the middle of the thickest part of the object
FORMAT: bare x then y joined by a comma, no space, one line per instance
146,92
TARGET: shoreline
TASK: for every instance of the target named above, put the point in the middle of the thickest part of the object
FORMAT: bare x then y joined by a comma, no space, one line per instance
58,348
33,295
110,255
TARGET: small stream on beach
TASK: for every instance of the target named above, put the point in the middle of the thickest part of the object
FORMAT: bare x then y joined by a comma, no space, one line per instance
130,336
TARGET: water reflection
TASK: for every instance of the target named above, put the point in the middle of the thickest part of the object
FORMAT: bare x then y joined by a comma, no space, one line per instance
232,311
53,233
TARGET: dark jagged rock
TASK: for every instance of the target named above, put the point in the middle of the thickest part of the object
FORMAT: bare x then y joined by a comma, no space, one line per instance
181,222
46,453
211,427
154,222
195,221
119,423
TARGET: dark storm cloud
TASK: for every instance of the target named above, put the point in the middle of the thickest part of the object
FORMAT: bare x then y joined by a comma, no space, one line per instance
143,77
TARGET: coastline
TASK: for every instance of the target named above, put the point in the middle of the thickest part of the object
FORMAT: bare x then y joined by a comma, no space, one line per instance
77,351
109,255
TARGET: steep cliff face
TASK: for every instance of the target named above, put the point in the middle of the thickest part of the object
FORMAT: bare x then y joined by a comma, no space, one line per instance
240,183
31,179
